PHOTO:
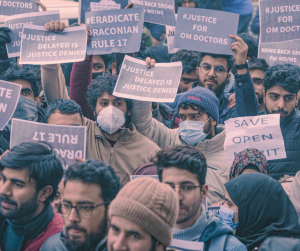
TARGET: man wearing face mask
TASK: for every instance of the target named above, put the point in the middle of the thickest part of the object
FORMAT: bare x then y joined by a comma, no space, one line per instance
28,107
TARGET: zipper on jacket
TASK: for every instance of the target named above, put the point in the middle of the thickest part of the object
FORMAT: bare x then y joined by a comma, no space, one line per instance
111,154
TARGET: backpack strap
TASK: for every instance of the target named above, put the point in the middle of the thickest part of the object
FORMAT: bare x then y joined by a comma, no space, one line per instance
226,241
218,243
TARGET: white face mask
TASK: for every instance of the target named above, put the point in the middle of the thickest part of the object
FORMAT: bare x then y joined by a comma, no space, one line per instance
110,119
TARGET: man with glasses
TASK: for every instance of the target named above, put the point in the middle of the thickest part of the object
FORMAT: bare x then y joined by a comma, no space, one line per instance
184,169
89,188
214,72
257,68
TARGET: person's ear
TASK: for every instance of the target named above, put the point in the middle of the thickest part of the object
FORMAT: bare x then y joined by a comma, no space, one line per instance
45,193
213,122
204,192
38,100
129,113
228,76
197,70
114,69
159,247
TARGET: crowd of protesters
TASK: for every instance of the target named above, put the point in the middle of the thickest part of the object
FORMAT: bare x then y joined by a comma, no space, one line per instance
93,205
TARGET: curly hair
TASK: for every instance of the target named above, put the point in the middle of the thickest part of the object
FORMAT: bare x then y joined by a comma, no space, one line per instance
285,75
103,84
258,64
252,44
182,157
189,59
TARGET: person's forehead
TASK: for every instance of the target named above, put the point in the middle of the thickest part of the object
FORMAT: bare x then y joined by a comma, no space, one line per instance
191,75
57,118
279,90
20,174
178,176
128,226
109,97
257,73
24,83
97,59
214,61
76,191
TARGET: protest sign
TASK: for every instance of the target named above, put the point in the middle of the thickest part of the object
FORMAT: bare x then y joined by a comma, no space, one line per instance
14,7
170,32
157,11
40,46
182,245
115,31
136,81
279,31
105,5
16,23
260,132
68,141
9,96
132,177
205,30
84,6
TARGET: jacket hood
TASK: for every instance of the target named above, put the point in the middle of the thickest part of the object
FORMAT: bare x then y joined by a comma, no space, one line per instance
215,227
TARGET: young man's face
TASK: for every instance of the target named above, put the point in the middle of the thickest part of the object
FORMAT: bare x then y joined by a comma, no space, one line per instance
257,76
98,64
190,197
18,195
27,91
82,232
106,100
280,101
188,4
126,235
213,74
57,118
186,81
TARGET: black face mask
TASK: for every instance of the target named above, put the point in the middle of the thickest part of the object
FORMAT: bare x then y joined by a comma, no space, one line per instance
96,74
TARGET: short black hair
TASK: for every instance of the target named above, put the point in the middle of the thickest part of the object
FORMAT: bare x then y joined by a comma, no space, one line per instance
44,165
103,84
107,59
258,64
182,157
22,73
285,75
98,173
252,44
189,59
63,106
229,58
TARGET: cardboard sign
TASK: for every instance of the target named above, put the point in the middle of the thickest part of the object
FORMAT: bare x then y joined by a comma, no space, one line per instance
132,177
260,132
182,245
170,32
16,23
9,96
115,31
105,5
14,7
205,30
136,81
40,46
84,6
68,141
157,11
279,31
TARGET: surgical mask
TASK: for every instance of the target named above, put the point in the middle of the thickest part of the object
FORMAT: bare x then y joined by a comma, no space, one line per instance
226,214
110,119
192,132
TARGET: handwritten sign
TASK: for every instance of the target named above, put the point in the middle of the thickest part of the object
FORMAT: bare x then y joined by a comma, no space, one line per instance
159,83
115,31
16,23
14,7
68,141
105,5
280,31
157,11
40,46
84,6
9,96
170,32
205,30
260,132
182,245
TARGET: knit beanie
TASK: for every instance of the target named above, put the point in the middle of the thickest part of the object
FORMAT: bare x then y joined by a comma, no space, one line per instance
150,204
204,98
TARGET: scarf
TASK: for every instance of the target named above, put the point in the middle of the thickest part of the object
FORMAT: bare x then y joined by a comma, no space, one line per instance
16,235
264,209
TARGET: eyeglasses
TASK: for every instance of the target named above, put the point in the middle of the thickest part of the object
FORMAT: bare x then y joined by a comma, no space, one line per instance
257,81
187,190
219,70
82,210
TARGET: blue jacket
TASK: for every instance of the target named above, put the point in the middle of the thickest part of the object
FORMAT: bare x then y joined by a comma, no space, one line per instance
215,228
156,30
242,7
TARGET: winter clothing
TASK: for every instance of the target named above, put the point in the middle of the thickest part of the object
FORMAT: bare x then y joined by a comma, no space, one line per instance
56,243
32,235
246,157
150,204
264,209
255,26
156,30
241,7
280,243
165,114
295,194
206,228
